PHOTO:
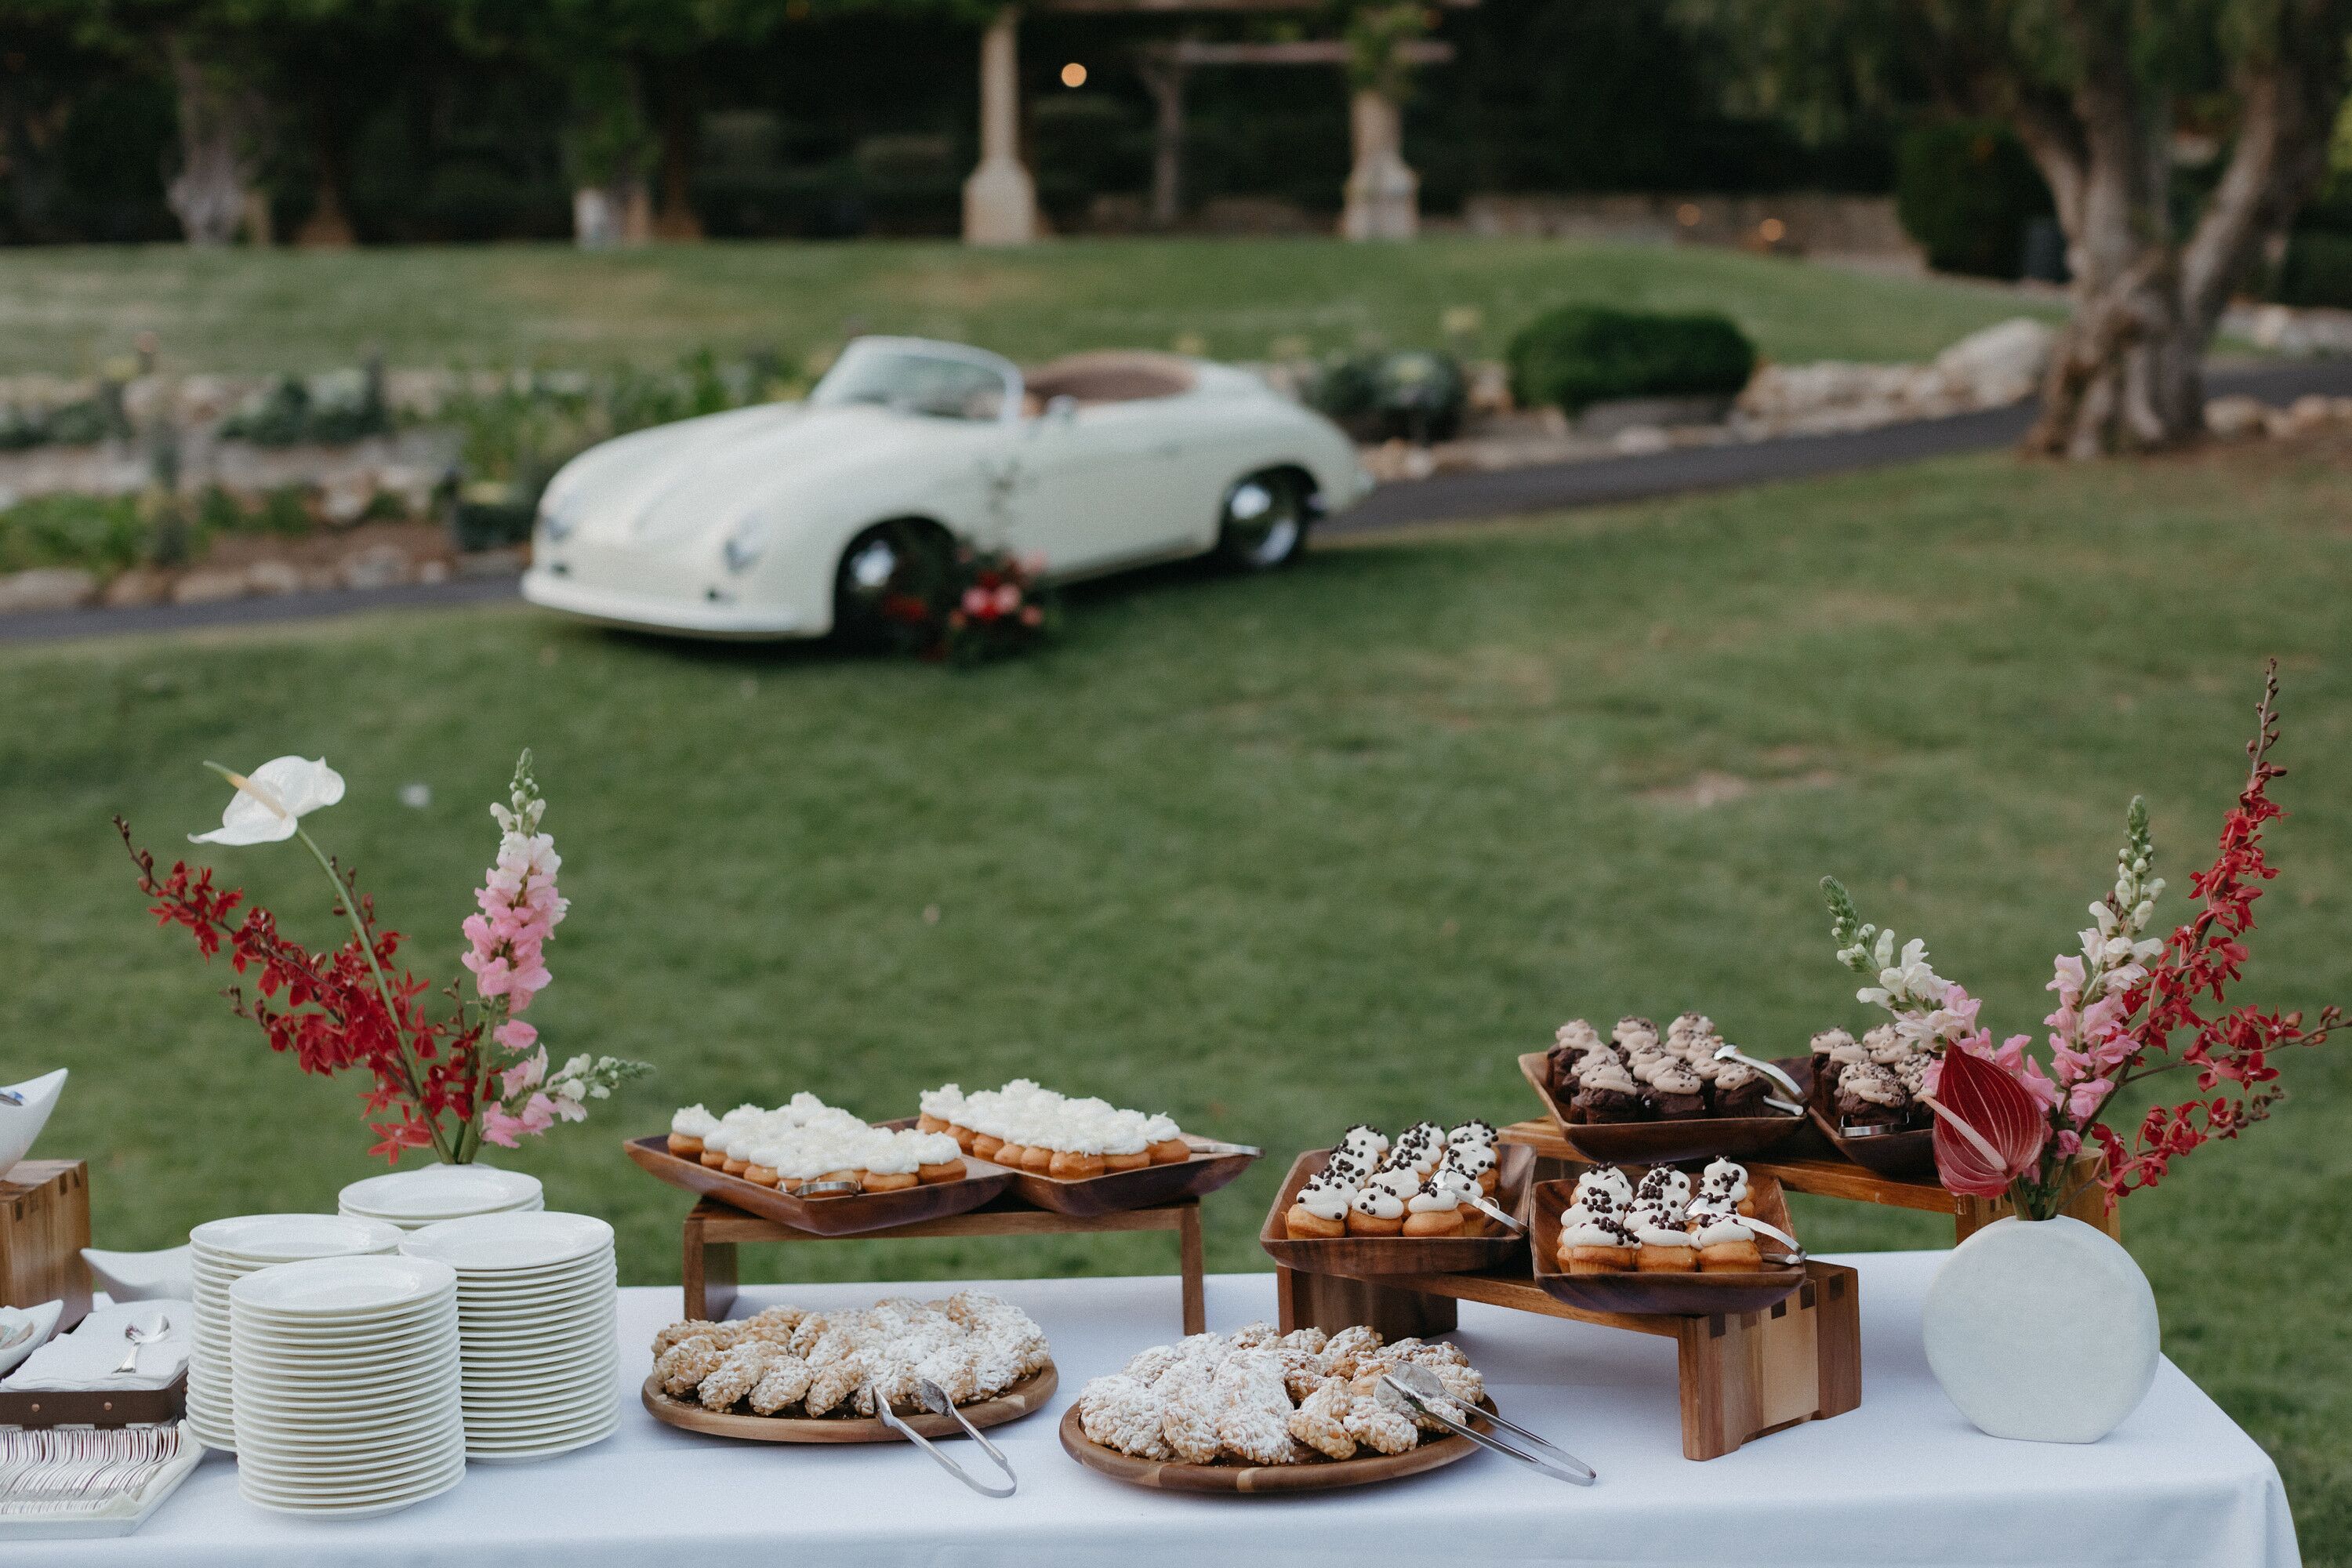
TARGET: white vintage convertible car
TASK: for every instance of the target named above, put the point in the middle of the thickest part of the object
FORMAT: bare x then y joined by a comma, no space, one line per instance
794,519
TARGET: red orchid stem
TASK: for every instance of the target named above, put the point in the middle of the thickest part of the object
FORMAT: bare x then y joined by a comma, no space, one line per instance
1983,1144
344,897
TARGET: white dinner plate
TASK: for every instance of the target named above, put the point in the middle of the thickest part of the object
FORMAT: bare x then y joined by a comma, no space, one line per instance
350,1502
402,1453
335,1289
327,1338
286,1437
257,1240
439,1191
503,1243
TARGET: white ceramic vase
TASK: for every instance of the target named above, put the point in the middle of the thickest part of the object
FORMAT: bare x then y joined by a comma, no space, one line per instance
2041,1329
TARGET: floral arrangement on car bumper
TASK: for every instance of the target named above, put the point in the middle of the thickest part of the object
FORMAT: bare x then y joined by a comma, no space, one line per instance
479,1074
2130,1006
983,604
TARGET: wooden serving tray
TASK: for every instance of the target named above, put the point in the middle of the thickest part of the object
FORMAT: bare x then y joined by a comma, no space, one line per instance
852,1214
1083,1197
1030,1394
1657,1291
1239,1477
1361,1256
1672,1142
1911,1153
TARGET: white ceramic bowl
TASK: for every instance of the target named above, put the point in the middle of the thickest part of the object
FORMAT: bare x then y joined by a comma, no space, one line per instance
20,1124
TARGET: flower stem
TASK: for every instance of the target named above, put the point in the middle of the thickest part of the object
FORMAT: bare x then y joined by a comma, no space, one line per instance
349,902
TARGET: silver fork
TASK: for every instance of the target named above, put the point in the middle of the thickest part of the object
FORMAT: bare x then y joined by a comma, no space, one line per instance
139,1338
935,1399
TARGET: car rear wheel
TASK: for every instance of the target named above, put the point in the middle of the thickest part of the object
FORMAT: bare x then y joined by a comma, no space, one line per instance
888,570
1264,521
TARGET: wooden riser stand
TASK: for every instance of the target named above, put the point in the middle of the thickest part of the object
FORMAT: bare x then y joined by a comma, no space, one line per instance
1741,1375
714,1230
44,1226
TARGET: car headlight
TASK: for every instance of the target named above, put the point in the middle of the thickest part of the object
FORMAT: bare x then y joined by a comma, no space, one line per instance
558,518
745,544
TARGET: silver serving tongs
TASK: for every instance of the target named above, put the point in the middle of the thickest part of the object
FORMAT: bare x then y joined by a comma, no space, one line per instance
1794,1258
1494,1210
1728,1052
935,1399
1420,1388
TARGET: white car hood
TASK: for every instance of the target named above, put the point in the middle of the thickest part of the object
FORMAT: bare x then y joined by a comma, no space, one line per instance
666,485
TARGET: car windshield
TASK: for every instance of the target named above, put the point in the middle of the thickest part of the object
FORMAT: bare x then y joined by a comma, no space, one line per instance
915,382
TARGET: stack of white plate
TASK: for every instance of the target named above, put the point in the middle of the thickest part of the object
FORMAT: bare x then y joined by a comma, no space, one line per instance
537,1300
223,1251
413,1199
346,1381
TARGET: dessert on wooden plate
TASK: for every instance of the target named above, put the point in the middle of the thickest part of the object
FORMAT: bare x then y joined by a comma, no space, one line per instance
1026,1127
808,1142
1637,1075
789,1363
1258,1397
1660,1222
1872,1085
1425,1184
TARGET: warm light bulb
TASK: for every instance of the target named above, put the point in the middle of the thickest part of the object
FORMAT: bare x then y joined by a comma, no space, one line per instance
1074,75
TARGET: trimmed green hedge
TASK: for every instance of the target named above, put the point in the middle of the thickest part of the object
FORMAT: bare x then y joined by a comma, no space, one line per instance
1965,189
2318,269
1581,354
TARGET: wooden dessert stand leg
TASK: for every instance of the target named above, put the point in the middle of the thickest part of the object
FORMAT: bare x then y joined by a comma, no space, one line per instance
1191,1263
709,1267
1333,1301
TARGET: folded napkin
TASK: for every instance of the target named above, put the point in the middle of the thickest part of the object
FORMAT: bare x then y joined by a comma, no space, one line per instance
87,1357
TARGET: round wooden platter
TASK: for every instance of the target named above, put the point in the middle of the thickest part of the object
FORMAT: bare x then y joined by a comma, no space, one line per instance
1360,1256
853,1215
1906,1153
1237,1477
1028,1394
1675,1141
1654,1293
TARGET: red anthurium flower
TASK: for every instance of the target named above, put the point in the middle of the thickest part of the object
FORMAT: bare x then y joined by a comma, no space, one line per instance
1989,1130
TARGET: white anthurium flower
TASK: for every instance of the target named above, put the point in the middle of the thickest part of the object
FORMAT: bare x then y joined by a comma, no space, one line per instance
272,800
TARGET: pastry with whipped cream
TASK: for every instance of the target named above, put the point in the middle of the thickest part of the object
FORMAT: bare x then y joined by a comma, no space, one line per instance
1320,1208
1428,1182
1028,1127
807,1142
1663,1223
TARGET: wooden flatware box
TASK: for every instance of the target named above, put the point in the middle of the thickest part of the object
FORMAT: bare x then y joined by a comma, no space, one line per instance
44,1226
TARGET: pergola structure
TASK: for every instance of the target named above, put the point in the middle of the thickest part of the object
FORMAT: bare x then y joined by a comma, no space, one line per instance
1000,198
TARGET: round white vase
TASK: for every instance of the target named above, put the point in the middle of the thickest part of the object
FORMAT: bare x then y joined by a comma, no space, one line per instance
2041,1329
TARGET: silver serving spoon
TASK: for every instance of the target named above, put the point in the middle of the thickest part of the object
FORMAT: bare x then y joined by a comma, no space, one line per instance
1420,1388
10,1097
826,1189
139,1337
1794,1258
1728,1052
1493,1210
935,1399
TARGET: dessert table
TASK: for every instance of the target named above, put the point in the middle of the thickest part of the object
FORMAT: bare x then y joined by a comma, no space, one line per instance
1903,1480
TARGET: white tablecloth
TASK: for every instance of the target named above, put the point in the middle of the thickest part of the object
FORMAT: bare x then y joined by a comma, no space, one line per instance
1903,1480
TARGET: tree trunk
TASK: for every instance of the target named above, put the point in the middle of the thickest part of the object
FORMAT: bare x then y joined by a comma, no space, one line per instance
673,216
208,194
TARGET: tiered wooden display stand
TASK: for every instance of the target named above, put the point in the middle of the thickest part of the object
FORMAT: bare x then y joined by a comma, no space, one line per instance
714,1230
44,1226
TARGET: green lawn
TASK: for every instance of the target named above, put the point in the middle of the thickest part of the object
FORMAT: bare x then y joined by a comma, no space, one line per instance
1277,853
70,308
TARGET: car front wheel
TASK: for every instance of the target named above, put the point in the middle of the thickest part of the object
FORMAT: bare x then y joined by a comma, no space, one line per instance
1264,521
889,571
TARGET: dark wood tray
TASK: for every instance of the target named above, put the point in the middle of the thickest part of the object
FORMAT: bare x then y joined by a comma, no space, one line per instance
1676,1295
1239,1477
1359,1257
1030,1394
1671,1143
94,1407
1910,1153
1210,1167
853,1214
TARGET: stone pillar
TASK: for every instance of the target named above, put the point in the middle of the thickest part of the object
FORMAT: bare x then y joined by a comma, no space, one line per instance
1383,194
1000,200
